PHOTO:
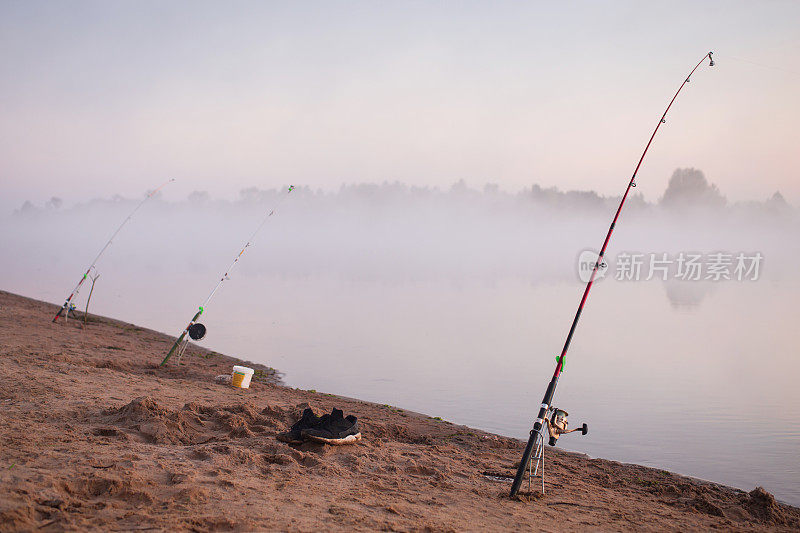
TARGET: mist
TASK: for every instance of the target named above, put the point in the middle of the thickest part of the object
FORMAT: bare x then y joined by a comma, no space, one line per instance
391,233
454,301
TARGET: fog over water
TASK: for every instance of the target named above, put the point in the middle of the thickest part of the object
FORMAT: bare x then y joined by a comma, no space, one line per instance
454,302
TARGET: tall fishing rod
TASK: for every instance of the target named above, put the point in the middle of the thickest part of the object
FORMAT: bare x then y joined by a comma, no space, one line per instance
537,433
197,331
65,308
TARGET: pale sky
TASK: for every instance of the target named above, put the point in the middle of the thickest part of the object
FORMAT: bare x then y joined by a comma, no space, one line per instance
99,98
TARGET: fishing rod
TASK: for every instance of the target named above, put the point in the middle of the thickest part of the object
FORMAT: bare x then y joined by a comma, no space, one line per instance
65,308
197,331
537,433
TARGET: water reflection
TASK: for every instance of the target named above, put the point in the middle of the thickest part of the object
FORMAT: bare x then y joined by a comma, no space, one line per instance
687,294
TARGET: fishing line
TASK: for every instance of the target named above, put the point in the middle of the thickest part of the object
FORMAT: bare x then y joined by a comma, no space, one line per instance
197,331
536,438
65,308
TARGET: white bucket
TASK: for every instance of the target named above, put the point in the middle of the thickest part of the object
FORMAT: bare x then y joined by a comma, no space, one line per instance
241,376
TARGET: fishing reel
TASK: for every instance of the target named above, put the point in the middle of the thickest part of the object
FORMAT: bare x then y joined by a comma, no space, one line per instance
197,331
557,425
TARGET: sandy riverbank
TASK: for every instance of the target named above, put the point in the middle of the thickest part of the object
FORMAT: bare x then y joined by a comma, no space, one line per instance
94,435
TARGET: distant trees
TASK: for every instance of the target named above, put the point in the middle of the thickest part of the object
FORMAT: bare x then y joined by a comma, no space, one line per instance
689,188
555,198
27,209
54,203
777,202
199,197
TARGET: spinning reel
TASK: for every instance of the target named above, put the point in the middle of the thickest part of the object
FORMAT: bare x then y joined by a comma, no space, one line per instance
197,331
557,425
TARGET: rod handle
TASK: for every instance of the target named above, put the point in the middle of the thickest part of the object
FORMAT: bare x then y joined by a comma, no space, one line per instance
523,464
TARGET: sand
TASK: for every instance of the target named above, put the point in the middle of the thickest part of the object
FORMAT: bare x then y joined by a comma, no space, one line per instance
95,436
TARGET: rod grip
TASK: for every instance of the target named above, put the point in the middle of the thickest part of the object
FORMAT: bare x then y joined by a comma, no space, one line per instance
523,464
171,350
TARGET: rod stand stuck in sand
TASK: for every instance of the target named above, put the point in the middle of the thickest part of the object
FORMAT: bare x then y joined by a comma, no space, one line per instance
547,401
89,299
182,336
65,308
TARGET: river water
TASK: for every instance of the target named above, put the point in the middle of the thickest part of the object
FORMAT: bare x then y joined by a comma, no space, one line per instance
698,378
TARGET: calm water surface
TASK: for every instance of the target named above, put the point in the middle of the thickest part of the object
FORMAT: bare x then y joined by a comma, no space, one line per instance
701,380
